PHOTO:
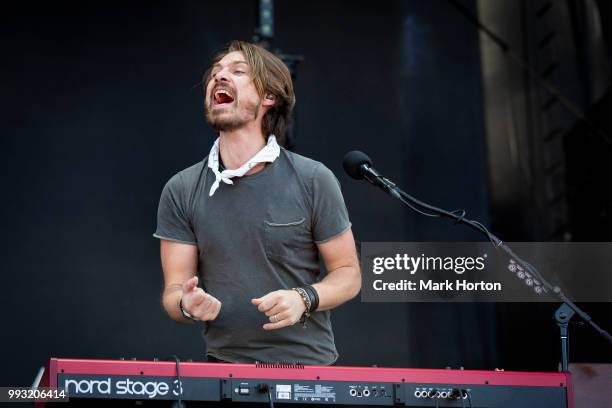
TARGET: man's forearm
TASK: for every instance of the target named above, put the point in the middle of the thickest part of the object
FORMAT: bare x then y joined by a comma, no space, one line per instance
338,287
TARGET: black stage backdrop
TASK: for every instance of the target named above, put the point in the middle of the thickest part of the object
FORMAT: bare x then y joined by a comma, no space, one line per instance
101,105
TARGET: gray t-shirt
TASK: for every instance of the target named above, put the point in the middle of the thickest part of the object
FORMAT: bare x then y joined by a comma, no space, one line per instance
254,237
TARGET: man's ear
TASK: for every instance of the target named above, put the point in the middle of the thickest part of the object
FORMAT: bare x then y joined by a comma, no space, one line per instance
269,100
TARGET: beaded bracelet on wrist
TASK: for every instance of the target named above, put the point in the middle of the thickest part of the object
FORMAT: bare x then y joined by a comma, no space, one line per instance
307,302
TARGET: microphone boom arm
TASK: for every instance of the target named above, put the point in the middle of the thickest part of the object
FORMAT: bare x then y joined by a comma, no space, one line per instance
419,206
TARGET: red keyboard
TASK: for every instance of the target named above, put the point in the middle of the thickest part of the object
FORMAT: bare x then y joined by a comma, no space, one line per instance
304,385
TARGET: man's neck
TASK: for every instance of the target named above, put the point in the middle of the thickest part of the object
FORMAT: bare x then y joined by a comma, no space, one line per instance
238,146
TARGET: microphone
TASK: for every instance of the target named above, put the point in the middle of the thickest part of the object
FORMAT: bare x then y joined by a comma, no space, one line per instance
359,166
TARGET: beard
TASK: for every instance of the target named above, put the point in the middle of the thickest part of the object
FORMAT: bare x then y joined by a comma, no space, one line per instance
223,121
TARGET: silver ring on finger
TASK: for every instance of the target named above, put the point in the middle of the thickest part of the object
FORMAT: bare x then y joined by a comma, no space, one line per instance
274,319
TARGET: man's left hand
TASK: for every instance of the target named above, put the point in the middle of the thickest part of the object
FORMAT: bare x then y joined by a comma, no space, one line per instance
283,308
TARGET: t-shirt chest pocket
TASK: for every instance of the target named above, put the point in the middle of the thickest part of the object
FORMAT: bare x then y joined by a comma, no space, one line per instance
284,238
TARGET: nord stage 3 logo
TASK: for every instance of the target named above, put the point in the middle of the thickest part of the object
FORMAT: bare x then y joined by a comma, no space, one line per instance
138,387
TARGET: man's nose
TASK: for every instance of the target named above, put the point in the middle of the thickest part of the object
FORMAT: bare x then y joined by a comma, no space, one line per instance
221,75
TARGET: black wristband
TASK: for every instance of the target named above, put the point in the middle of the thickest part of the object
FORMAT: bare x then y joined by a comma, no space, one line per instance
185,313
314,297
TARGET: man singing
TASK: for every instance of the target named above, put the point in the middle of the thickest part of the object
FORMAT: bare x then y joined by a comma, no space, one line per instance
251,221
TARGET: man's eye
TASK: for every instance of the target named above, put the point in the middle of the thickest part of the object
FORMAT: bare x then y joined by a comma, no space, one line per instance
238,72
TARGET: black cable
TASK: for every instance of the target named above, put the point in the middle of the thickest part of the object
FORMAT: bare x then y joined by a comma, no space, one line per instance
461,217
270,397
416,209
417,205
178,378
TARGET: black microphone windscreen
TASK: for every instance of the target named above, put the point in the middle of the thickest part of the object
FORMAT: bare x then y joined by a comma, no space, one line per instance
352,163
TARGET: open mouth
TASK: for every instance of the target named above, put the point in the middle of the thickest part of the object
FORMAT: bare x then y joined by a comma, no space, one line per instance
222,97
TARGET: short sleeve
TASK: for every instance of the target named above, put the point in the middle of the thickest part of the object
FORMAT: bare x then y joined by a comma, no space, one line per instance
173,222
330,217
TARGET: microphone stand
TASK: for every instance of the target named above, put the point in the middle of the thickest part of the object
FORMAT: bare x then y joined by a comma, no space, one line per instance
563,315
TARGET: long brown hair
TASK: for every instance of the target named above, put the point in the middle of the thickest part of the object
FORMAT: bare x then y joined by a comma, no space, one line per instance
271,77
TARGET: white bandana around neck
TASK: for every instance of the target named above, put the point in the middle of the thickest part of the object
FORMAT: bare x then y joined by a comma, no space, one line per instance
269,153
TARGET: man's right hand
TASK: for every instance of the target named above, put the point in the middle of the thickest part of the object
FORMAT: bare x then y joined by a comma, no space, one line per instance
199,304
